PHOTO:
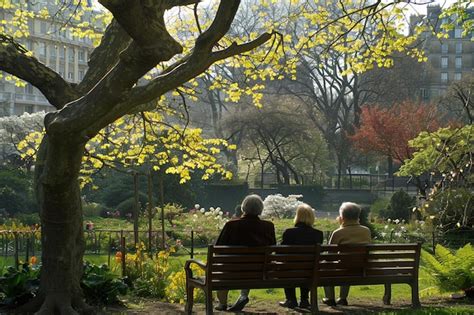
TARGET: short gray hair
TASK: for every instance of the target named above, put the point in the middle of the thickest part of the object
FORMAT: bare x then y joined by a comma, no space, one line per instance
349,211
252,204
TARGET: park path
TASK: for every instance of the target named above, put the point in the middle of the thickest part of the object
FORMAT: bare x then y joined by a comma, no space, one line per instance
269,307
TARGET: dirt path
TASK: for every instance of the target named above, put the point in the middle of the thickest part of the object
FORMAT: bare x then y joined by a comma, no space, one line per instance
268,307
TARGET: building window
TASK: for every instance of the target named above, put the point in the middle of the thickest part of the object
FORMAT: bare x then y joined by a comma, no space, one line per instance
458,48
457,76
444,77
54,51
29,109
43,27
457,32
42,49
444,62
29,89
458,62
81,55
71,54
444,48
81,75
70,76
61,52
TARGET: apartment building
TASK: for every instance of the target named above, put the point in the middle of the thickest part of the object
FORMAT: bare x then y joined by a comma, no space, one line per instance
449,60
55,46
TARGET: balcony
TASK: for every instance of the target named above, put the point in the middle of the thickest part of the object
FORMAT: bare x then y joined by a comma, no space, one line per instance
31,98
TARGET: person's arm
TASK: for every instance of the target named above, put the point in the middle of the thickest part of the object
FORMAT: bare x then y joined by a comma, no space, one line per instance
284,238
334,238
272,236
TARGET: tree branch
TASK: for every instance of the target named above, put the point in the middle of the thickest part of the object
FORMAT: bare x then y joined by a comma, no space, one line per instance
105,56
16,62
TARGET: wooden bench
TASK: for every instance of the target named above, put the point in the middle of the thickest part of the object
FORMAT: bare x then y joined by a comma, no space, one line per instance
232,267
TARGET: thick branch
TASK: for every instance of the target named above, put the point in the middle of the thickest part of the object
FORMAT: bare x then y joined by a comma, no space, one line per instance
188,68
105,56
16,62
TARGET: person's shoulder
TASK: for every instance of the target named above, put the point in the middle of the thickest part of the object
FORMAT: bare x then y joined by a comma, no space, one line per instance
266,222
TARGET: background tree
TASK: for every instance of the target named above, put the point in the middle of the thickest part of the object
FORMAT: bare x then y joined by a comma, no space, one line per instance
387,131
459,100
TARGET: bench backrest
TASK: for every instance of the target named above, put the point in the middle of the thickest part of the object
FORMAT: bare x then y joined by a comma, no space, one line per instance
256,264
367,261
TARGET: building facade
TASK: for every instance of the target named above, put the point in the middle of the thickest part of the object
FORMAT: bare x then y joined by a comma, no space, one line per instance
55,46
449,59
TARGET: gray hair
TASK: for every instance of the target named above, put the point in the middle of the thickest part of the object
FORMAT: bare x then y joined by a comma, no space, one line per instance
349,211
252,205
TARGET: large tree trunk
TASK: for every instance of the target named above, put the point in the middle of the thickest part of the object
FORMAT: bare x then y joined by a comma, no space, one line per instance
62,236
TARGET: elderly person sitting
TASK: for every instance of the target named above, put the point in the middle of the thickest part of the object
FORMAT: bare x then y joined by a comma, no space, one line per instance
248,230
302,234
350,232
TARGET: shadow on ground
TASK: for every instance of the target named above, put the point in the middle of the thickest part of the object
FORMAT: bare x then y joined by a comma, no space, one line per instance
430,306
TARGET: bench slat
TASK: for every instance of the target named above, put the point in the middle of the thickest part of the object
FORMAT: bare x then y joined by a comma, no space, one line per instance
290,266
290,274
247,275
392,263
394,255
237,267
292,249
236,250
238,259
288,257
389,271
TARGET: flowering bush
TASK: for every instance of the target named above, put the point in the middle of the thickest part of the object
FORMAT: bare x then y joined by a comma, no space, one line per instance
176,289
149,276
278,206
399,231
206,223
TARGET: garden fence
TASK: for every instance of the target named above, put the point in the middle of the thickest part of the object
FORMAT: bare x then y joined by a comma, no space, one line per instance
21,246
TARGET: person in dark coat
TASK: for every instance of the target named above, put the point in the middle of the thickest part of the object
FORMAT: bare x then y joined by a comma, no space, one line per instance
248,230
302,234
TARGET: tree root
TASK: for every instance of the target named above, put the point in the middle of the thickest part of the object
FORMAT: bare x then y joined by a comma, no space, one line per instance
58,303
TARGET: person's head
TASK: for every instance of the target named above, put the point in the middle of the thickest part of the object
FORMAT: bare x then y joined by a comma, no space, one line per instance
252,205
349,212
304,214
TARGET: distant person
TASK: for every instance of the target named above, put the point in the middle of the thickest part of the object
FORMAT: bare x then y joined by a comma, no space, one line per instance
350,232
249,230
302,234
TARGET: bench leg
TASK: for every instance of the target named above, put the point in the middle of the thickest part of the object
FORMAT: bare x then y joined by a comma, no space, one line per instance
387,296
415,298
188,309
209,308
314,300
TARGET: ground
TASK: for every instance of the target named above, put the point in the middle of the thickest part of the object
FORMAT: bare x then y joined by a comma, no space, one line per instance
430,306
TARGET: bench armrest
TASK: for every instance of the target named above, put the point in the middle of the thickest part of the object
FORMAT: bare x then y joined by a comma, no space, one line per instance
189,271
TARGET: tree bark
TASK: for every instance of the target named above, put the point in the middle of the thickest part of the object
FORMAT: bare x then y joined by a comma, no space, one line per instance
62,236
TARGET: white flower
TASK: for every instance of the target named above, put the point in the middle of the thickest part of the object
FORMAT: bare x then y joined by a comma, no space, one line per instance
383,234
397,221
389,220
211,208
202,210
386,227
218,208
197,206
398,234
221,213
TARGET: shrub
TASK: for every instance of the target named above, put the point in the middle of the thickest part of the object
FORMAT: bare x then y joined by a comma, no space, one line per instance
128,205
278,206
28,219
101,286
451,271
148,275
10,201
19,286
92,209
400,207
176,289
379,205
172,211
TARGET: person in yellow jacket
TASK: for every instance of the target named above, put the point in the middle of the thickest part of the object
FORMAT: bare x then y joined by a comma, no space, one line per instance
349,232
